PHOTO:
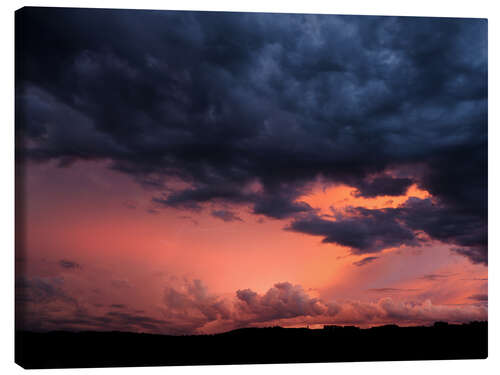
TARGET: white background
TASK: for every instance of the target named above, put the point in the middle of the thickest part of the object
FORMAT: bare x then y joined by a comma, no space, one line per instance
476,8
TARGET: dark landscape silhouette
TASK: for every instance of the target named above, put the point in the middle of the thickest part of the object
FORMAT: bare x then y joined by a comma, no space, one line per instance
62,349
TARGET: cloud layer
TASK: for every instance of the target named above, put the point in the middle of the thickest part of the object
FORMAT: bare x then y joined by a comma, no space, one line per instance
189,308
253,108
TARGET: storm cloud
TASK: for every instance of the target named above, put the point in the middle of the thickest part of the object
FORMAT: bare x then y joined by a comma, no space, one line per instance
373,230
250,109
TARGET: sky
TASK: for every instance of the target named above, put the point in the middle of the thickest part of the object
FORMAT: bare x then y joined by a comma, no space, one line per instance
197,172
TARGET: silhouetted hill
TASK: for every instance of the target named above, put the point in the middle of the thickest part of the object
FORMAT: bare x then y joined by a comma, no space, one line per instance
252,345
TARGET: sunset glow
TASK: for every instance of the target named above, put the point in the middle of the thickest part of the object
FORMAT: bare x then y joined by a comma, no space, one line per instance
312,171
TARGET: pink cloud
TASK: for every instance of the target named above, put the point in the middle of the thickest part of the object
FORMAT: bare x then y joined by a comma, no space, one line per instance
189,308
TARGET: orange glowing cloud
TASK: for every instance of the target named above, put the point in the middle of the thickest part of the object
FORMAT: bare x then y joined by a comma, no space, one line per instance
341,196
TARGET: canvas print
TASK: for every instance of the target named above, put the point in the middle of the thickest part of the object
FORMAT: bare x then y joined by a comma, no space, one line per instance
200,188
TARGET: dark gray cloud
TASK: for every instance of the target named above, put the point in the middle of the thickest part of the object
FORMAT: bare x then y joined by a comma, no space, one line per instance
193,197
222,101
365,261
450,224
384,185
280,204
118,306
41,290
112,320
435,276
391,290
373,230
477,255
369,232
68,264
225,215
479,297
129,320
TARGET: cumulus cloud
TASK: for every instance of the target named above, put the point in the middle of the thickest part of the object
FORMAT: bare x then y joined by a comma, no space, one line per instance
387,310
282,301
189,308
287,304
